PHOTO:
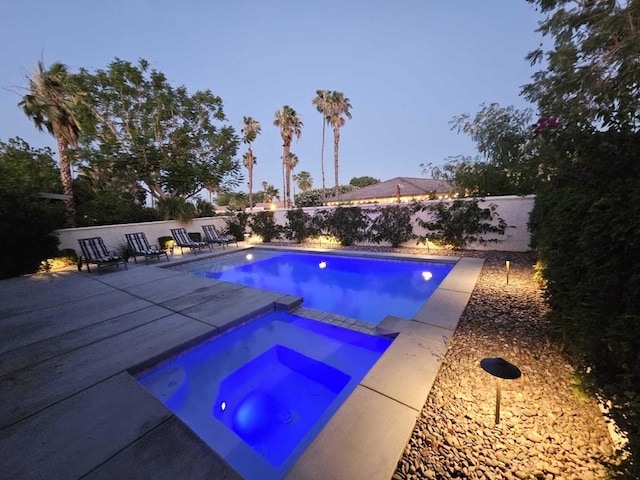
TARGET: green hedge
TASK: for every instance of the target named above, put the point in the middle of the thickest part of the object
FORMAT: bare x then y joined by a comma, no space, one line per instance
586,227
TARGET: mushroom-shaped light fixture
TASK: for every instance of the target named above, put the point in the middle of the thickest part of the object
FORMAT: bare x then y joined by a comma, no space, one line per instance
500,368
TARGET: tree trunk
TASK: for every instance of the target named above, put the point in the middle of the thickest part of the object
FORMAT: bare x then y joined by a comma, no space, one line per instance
287,192
336,142
250,169
284,175
322,158
67,184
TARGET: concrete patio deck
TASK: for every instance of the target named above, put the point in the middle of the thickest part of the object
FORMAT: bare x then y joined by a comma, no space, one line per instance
71,409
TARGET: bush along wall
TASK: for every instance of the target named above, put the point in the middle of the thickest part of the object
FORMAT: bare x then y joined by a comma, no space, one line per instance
348,225
237,225
300,226
264,225
393,224
586,227
460,222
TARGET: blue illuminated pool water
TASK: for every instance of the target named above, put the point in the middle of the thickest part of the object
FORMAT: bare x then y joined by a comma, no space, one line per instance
366,289
258,395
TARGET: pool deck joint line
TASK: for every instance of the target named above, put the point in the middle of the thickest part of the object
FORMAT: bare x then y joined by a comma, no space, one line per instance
70,405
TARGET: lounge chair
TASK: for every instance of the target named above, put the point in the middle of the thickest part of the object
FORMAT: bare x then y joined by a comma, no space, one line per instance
94,251
140,247
211,235
181,239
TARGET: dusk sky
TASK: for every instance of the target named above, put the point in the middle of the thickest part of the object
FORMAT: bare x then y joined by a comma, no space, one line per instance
407,66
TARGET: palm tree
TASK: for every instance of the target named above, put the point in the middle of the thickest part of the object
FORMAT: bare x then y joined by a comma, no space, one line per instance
339,105
321,101
303,180
290,125
52,104
250,130
269,192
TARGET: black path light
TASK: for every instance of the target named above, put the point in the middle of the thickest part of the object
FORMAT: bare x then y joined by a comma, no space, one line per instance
500,368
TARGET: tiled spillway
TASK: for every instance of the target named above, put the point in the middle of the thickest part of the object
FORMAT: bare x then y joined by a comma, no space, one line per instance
69,404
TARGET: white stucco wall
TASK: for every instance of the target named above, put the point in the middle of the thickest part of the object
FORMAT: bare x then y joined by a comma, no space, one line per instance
513,209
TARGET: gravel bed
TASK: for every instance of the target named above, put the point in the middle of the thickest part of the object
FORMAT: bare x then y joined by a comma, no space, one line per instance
547,430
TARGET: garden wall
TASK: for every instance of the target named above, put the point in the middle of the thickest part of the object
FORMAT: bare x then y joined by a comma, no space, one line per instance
513,209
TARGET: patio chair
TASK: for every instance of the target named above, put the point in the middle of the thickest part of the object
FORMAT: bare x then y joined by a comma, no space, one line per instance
181,239
94,251
140,247
211,235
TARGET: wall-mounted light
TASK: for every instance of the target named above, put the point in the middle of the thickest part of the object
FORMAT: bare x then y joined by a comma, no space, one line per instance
322,265
508,267
427,275
249,256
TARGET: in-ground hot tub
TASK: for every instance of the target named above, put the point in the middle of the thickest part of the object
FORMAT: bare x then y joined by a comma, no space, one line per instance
259,394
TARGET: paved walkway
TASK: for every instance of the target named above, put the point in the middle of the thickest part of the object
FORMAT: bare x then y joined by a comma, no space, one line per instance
71,409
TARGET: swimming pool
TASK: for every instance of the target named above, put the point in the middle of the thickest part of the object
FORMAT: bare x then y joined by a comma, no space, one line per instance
363,288
259,394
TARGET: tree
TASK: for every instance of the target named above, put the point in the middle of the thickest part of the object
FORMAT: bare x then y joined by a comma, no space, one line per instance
269,192
146,131
339,107
105,203
52,104
290,125
303,180
321,101
26,169
363,181
232,200
507,142
27,220
592,70
584,223
250,130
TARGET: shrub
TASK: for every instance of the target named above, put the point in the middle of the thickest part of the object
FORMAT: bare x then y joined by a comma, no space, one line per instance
264,225
237,225
165,243
176,208
347,224
28,223
393,224
585,224
300,226
461,222
313,198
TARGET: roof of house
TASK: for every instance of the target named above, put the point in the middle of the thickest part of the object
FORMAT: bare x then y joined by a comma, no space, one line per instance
409,187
